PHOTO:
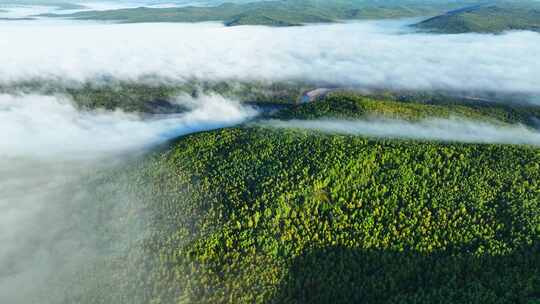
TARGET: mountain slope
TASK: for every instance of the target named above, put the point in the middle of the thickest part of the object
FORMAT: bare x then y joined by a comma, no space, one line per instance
259,215
494,18
276,13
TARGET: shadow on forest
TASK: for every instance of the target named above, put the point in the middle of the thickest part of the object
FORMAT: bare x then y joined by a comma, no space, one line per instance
344,275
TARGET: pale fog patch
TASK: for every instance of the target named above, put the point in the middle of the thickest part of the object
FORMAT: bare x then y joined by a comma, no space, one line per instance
64,216
446,130
23,11
50,126
46,242
357,54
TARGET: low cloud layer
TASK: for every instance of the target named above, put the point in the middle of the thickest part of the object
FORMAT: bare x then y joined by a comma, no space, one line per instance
50,151
41,126
447,130
371,54
57,203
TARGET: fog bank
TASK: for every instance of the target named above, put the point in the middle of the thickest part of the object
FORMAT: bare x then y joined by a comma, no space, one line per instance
62,211
364,54
447,130
48,126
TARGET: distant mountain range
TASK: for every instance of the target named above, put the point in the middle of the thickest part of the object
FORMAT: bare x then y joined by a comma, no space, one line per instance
461,16
277,13
487,18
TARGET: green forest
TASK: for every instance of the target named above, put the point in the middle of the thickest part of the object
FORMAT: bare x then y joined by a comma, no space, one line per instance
252,214
270,152
148,97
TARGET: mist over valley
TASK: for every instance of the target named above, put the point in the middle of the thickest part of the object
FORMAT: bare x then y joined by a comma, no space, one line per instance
296,151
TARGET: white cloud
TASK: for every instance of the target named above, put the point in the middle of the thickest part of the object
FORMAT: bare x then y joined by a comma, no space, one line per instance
358,54
47,146
51,211
448,130
40,126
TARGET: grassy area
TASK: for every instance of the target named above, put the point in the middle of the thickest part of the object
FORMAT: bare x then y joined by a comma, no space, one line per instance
491,18
277,13
257,215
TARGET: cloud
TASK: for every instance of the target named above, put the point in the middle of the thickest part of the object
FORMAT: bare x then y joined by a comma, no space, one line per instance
369,54
447,130
55,220
21,11
48,126
60,206
50,151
